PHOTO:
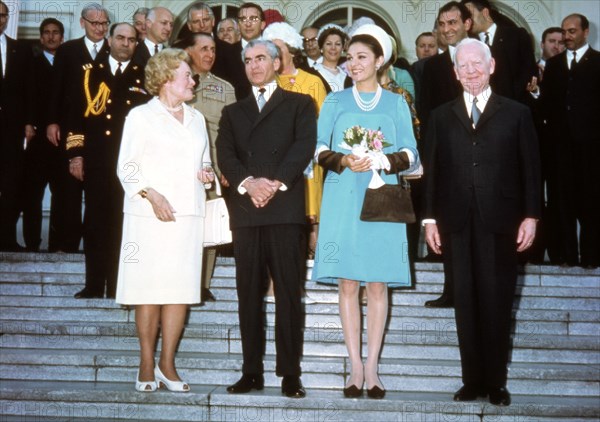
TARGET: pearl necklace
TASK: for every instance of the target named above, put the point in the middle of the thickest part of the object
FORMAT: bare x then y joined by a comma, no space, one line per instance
367,105
172,109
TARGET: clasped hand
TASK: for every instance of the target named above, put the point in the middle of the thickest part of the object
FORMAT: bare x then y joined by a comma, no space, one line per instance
206,175
356,164
261,190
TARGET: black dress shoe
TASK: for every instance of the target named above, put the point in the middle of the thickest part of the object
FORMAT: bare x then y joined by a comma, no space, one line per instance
207,296
88,294
375,393
440,302
499,396
352,392
469,393
246,383
291,386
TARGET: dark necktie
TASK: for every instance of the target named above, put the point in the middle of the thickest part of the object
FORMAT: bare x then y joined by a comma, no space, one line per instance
475,113
574,61
155,48
119,71
261,99
487,38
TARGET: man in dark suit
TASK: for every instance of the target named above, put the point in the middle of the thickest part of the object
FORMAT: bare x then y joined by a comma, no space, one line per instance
159,26
569,101
439,85
67,92
265,142
482,202
16,129
512,50
43,161
114,86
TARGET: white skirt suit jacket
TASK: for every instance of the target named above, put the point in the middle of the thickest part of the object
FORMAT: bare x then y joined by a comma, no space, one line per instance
161,261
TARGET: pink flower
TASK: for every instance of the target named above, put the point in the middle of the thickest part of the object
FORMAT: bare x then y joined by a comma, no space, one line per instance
377,144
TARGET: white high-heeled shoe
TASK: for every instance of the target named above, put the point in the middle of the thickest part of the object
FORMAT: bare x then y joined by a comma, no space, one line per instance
144,386
179,386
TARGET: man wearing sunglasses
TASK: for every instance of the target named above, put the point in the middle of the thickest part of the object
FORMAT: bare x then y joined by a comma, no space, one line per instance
69,62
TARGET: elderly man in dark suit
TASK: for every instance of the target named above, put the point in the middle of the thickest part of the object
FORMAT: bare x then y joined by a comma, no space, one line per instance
265,142
16,128
482,202
67,90
159,26
113,87
569,100
512,50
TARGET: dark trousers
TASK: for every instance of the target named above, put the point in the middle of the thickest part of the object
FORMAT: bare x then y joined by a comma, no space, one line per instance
280,250
70,222
43,166
11,182
102,229
484,270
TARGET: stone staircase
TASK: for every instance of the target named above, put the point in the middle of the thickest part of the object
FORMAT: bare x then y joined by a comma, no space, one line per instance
67,359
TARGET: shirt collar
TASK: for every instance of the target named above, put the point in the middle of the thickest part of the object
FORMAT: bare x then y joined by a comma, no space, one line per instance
151,44
90,44
312,62
49,57
482,100
580,52
491,32
269,89
114,64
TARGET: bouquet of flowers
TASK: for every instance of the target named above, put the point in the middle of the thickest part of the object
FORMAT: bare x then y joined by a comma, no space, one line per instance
364,142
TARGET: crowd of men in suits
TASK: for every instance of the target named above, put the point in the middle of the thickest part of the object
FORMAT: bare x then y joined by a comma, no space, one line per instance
560,96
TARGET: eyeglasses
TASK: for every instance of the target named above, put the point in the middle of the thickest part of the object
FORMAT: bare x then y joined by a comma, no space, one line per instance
307,40
251,19
3,15
96,24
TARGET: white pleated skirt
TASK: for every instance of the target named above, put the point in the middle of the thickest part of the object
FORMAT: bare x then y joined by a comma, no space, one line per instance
161,263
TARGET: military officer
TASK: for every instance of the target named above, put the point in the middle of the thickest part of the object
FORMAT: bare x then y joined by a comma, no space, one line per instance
212,94
112,87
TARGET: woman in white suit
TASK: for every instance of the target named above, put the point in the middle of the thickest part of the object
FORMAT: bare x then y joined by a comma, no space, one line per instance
164,164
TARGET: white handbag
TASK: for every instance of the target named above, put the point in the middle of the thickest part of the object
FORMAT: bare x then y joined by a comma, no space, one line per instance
216,221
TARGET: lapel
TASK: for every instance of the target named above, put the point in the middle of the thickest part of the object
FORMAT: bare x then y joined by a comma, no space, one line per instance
250,108
11,56
493,105
460,110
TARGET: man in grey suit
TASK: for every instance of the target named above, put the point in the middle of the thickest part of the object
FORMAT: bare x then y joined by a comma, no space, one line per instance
265,142
482,202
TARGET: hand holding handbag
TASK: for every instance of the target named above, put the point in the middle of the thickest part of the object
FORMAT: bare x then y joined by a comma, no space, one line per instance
389,203
216,221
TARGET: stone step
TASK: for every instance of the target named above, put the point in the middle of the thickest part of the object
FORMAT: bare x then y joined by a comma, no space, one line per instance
318,341
39,400
397,374
402,316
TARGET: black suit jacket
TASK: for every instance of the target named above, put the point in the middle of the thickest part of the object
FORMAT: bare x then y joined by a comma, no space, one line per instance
569,99
439,85
230,66
16,93
276,143
141,55
497,165
512,49
68,79
102,133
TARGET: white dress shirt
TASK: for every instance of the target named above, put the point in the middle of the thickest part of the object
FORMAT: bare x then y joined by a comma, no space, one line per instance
491,33
115,64
580,52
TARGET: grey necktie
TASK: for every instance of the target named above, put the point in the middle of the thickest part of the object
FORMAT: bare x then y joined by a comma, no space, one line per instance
94,51
475,113
261,99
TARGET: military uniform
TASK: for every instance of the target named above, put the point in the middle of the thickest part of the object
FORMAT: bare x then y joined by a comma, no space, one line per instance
212,94
95,132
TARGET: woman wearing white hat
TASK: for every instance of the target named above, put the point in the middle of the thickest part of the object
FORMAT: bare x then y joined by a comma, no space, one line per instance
356,253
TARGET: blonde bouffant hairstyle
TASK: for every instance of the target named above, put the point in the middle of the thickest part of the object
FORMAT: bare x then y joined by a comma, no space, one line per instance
161,68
